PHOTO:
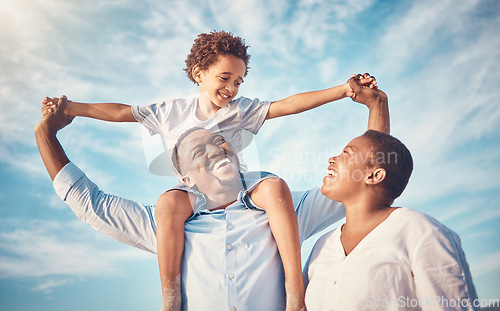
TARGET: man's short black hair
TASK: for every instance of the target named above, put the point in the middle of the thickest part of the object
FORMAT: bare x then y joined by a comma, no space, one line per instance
175,152
393,156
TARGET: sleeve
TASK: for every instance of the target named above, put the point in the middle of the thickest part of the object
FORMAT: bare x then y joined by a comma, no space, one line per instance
305,270
315,212
441,272
124,220
252,113
320,244
152,117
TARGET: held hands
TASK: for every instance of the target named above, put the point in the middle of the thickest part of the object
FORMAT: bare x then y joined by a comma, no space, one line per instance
364,90
51,103
53,116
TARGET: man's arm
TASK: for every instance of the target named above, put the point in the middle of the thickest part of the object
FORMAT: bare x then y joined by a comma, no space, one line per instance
53,155
113,112
305,101
124,220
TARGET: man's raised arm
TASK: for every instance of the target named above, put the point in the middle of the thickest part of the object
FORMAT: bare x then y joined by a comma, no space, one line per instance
124,220
53,155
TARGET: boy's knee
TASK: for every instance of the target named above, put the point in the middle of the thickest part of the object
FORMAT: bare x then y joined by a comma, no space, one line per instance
172,202
275,184
272,193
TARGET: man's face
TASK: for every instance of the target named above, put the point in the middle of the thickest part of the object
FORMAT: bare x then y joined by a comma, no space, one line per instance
348,172
208,161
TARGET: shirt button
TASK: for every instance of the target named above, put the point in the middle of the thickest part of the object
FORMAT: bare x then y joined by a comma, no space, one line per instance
229,247
334,282
231,276
229,227
233,308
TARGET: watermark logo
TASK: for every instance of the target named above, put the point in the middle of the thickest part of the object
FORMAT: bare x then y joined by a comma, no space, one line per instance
428,302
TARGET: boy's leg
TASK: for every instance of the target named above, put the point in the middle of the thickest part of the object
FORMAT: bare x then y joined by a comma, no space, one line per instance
273,195
172,210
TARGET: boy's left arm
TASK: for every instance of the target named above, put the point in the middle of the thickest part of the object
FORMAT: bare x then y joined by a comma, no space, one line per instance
305,101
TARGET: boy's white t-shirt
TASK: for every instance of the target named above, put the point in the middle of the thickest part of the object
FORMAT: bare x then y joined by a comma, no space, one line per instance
172,118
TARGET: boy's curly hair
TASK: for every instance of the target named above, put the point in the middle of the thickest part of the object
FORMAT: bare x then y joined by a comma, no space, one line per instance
208,46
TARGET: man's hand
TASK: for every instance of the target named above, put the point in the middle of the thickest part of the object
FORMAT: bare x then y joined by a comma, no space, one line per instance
367,95
53,116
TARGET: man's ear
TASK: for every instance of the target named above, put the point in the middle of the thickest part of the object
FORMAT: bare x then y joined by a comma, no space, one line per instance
197,74
188,181
376,177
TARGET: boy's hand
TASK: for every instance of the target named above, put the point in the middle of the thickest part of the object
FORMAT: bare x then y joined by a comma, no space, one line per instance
51,104
365,80
53,114
365,92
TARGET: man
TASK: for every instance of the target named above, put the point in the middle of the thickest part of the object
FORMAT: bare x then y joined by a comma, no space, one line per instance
230,258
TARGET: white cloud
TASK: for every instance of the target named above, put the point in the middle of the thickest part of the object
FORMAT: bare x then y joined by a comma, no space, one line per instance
47,285
28,163
327,69
417,31
488,213
442,96
487,264
52,248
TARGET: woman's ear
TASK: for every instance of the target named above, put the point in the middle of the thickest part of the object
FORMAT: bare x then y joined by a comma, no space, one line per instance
376,177
188,181
197,74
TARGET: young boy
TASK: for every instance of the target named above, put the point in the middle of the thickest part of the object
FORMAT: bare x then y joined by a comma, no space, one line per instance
218,62
383,257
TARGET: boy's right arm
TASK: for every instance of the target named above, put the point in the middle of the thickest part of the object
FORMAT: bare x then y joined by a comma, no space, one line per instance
112,112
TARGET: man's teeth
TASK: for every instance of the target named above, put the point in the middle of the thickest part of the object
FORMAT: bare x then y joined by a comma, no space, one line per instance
332,173
224,96
220,163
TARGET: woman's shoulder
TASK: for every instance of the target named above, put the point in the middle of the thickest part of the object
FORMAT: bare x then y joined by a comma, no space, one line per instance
416,221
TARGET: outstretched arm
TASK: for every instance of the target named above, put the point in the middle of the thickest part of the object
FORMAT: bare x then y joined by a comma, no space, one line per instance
112,112
124,220
305,101
376,101
53,155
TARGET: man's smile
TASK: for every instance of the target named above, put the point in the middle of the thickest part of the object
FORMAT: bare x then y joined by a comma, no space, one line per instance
221,163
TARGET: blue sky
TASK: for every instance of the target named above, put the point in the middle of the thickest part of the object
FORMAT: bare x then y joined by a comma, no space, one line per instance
437,60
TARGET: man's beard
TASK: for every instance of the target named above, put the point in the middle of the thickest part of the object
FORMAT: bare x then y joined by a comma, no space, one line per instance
229,182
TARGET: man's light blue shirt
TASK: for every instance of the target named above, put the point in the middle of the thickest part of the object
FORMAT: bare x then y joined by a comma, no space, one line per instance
230,262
